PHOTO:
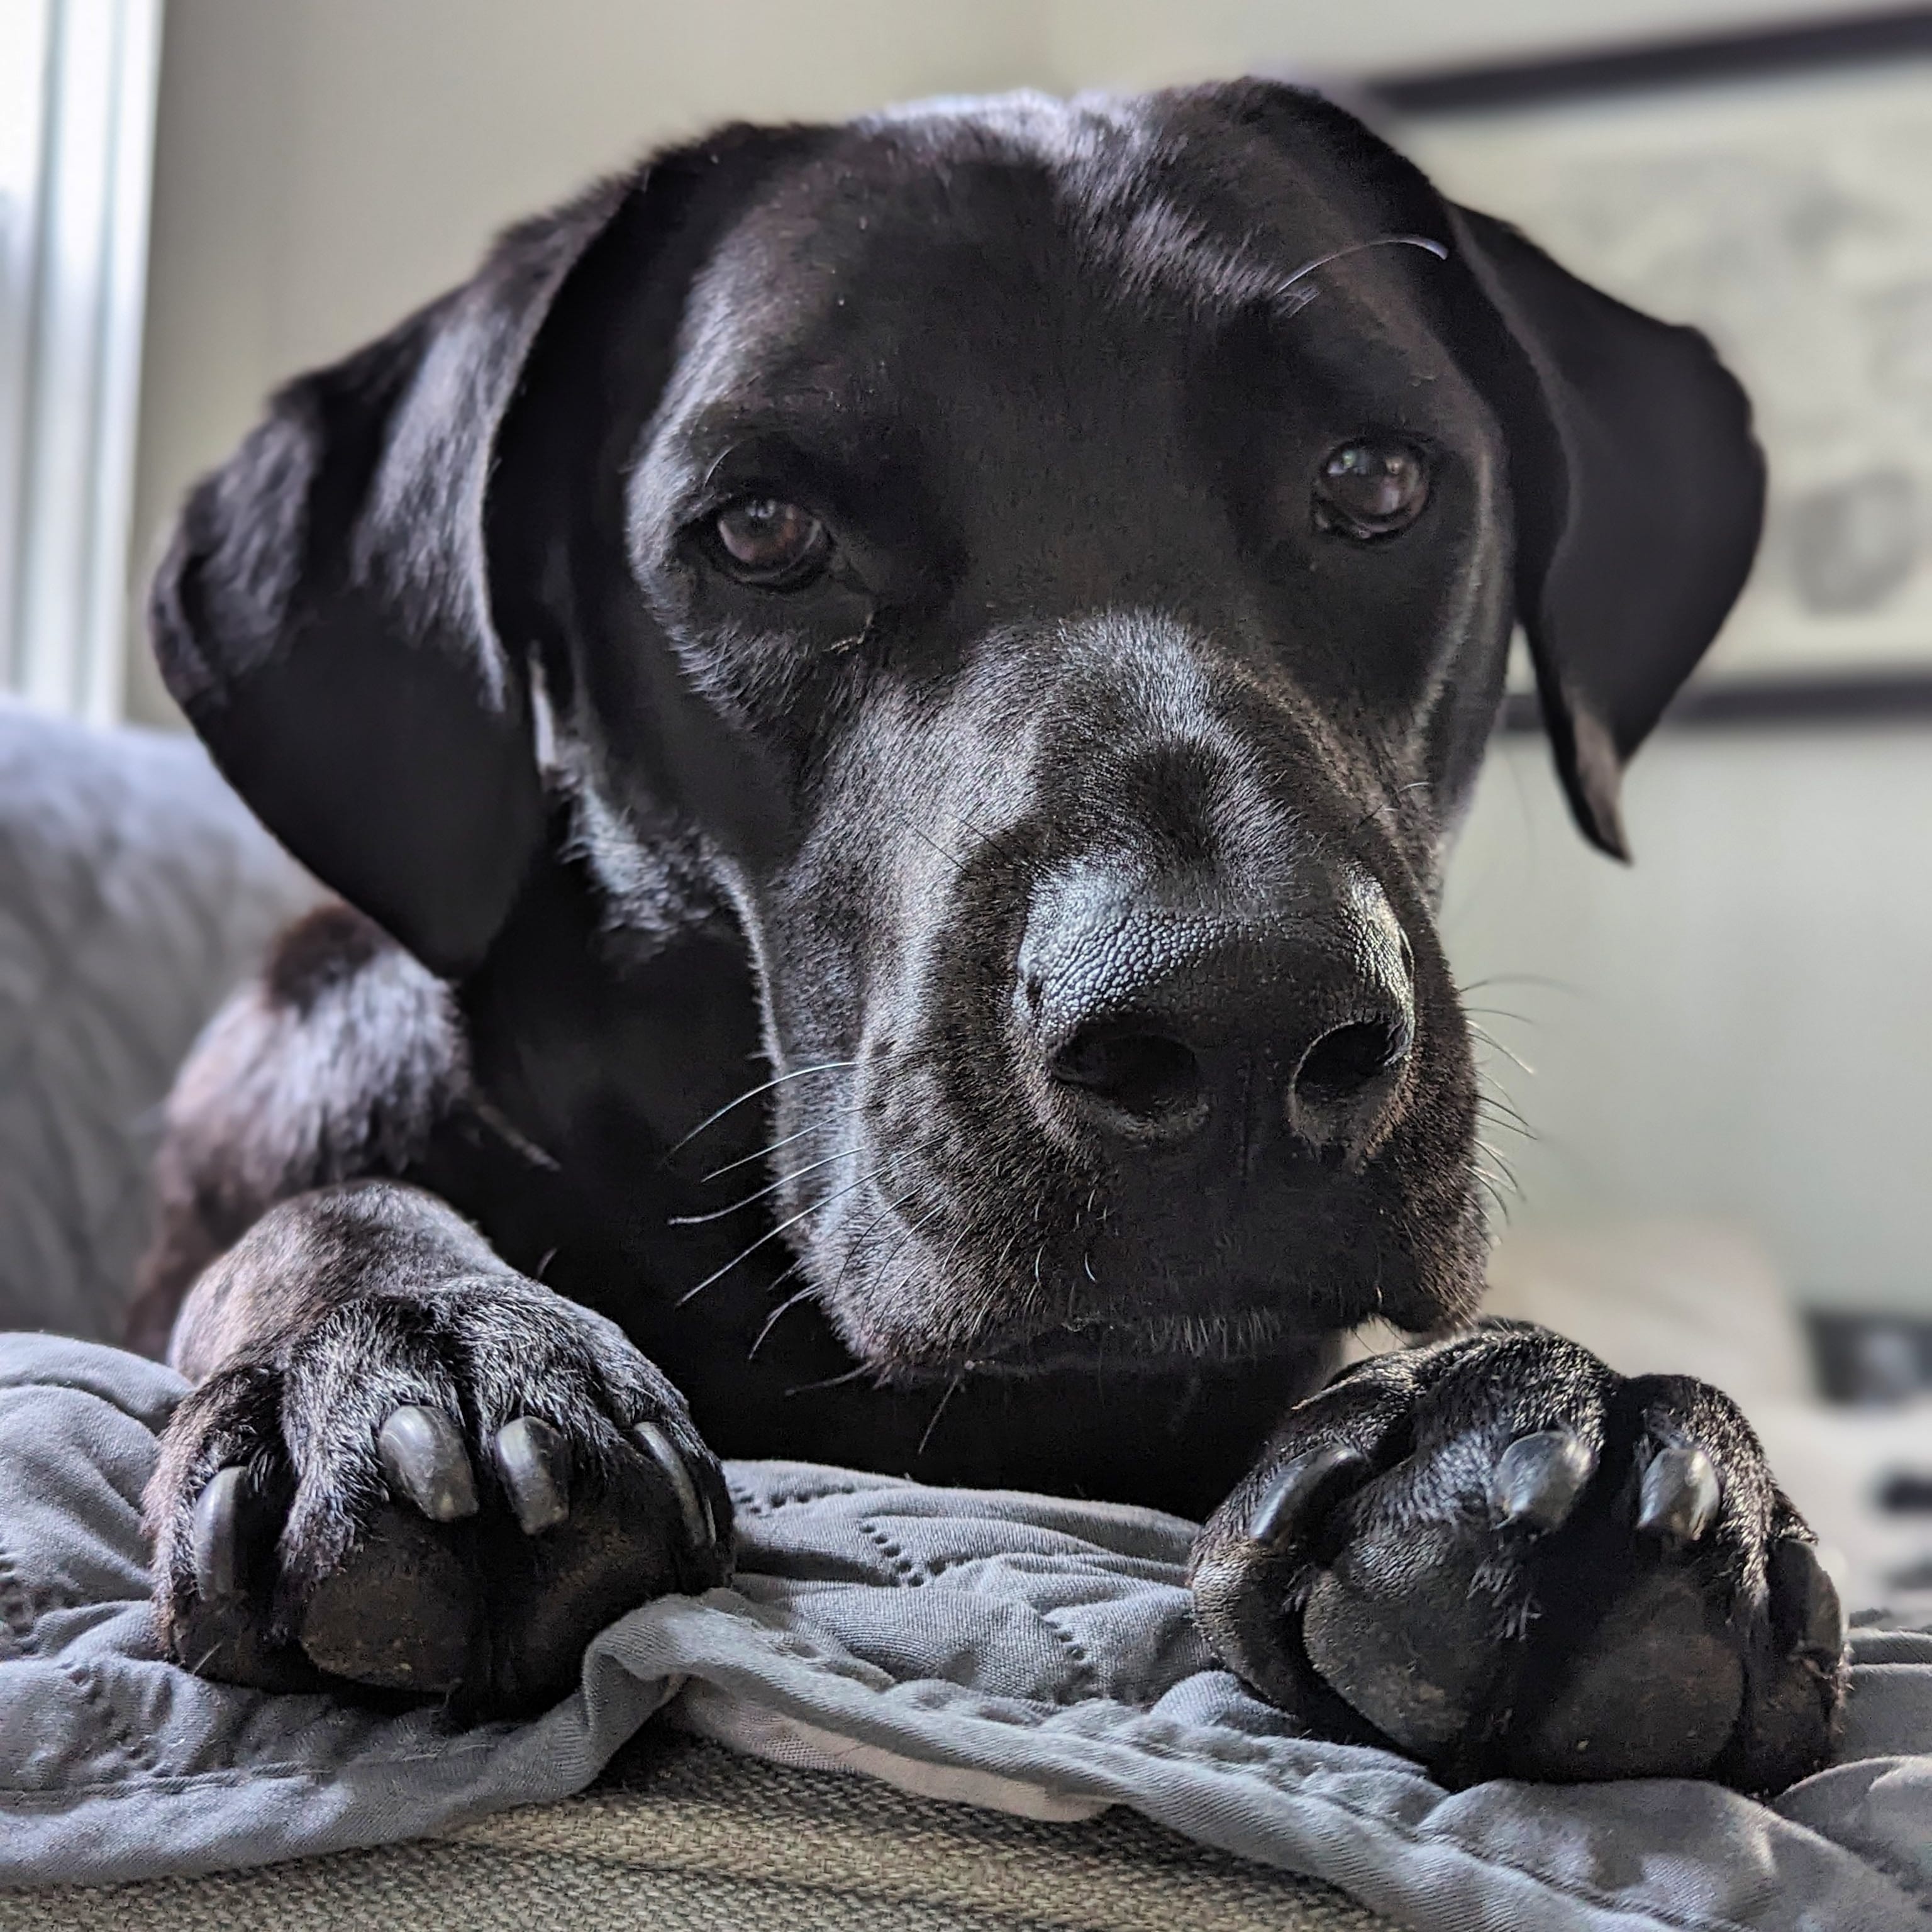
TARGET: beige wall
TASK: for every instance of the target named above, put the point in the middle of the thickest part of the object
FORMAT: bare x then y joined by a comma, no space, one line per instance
1738,1025
322,166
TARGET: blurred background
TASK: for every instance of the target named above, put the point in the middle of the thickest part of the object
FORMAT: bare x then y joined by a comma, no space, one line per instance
1722,1160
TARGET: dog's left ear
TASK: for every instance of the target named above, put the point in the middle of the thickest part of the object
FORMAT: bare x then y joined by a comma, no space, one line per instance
1638,495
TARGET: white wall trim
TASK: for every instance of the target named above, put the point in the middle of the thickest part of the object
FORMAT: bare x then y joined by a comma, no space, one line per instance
77,85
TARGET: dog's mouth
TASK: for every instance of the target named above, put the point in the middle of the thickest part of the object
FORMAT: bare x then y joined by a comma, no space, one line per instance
945,1240
1150,1344
925,1296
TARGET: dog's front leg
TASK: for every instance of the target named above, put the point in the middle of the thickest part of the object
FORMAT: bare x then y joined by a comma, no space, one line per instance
406,1466
1497,1556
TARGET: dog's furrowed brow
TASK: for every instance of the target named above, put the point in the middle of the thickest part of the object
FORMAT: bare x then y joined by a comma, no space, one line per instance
691,471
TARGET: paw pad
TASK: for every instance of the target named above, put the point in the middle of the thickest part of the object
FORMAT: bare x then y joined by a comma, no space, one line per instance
1624,1593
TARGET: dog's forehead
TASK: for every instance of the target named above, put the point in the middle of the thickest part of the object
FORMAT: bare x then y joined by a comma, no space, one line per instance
1117,224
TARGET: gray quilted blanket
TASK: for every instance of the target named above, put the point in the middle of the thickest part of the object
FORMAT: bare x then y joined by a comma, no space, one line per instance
1007,1650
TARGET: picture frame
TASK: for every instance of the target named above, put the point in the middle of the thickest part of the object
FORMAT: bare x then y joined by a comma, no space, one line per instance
1774,188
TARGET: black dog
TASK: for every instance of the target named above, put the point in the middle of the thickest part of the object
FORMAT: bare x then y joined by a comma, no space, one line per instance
890,700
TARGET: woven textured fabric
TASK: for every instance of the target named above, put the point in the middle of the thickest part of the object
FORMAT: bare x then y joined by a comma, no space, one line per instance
684,1834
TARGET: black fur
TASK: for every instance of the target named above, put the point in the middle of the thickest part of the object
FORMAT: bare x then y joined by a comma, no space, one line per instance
1044,892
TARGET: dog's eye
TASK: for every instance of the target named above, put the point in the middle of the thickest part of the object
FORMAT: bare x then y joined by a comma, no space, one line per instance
775,544
1372,488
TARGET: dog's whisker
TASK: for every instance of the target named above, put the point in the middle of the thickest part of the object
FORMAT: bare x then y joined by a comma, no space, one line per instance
764,1153
811,1207
858,1241
952,858
770,1187
1495,1194
1502,1115
952,1389
1502,1103
1388,804
906,1239
1496,1046
989,841
207,1657
732,1106
912,1055
832,1381
771,1234
1509,1173
1521,979
784,1308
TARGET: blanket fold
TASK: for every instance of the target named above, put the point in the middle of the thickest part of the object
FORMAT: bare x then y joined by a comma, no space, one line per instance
1019,1651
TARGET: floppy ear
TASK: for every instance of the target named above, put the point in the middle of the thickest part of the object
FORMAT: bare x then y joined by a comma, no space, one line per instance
1639,494
323,617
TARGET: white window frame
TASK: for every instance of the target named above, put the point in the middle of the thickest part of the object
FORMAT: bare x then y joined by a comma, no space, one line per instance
77,88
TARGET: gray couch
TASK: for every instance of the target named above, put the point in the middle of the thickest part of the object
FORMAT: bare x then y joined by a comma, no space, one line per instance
135,890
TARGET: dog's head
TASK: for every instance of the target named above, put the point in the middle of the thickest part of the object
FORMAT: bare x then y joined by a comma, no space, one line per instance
1053,566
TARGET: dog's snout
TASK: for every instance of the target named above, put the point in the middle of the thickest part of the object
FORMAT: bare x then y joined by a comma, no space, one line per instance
1149,1018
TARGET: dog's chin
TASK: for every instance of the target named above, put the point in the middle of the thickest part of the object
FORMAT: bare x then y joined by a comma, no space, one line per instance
1115,1344
933,1311
1151,1345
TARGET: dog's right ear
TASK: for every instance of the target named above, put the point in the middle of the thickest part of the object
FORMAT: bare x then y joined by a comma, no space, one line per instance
324,614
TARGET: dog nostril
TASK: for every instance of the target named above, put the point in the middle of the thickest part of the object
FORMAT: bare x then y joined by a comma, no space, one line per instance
1155,1079
1341,1064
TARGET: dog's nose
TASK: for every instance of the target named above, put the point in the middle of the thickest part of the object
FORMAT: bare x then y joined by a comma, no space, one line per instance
1150,1014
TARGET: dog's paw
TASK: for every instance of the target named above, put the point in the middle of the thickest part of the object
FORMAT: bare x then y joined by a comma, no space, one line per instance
1503,1559
446,1495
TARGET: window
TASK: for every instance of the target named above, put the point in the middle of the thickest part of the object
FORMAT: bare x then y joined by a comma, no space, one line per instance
76,123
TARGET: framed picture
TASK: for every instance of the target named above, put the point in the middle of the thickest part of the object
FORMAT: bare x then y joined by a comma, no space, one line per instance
1776,190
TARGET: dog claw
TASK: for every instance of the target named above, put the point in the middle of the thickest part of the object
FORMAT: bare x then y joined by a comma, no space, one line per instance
1303,1487
663,1452
1805,1602
534,1466
216,1537
1537,1479
423,1456
1679,1497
